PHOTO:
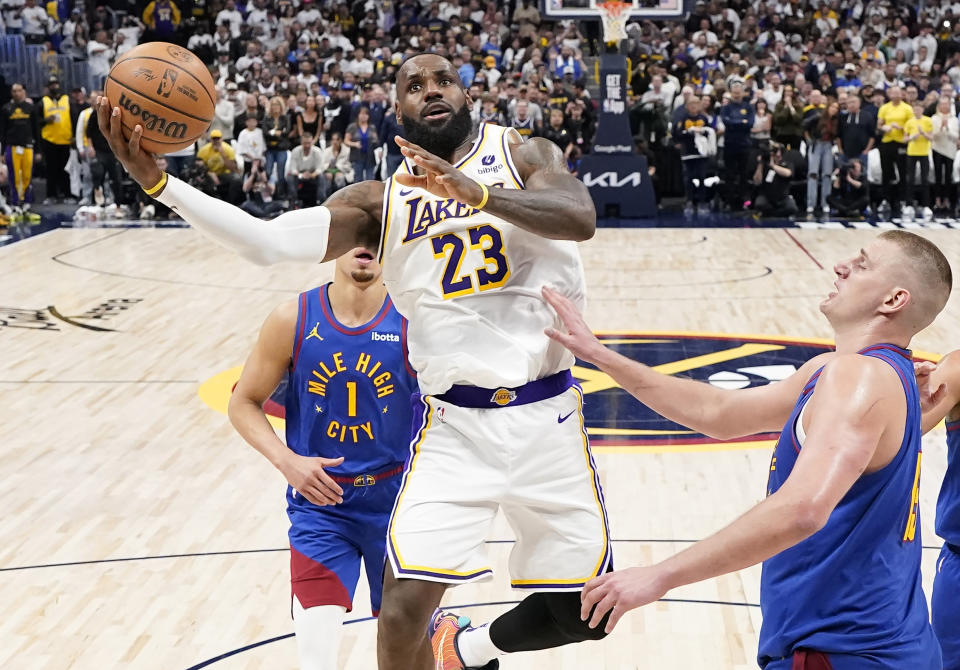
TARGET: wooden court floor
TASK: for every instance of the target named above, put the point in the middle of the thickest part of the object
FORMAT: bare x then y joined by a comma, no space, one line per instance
139,531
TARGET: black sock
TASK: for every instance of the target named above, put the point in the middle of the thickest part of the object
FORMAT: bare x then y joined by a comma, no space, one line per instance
543,621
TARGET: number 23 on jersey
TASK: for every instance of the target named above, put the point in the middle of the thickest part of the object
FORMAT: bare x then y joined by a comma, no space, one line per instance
452,247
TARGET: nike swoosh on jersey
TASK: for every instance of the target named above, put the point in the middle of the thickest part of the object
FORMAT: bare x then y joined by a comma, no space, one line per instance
561,419
405,193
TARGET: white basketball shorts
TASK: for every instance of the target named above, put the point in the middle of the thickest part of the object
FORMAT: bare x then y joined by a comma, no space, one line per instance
522,450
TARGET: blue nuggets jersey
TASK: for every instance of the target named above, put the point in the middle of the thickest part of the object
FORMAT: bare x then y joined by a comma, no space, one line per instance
948,504
853,588
349,390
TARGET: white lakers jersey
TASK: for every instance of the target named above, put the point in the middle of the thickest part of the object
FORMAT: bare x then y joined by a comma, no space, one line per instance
469,282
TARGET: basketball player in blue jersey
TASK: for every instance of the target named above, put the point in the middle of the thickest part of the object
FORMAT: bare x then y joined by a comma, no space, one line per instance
347,420
469,228
839,531
944,381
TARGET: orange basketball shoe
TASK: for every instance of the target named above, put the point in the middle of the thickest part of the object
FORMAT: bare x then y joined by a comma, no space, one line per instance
443,631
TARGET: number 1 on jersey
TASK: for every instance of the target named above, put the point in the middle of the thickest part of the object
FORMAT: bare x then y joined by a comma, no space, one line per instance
495,270
351,398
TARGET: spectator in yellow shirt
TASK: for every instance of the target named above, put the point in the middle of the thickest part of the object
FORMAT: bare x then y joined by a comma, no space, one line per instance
221,162
891,121
919,132
162,18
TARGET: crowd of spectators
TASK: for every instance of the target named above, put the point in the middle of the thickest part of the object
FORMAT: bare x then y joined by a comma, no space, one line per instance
772,105
831,105
305,89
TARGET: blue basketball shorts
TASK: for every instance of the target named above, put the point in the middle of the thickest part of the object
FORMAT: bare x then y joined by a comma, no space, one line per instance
945,605
921,655
328,543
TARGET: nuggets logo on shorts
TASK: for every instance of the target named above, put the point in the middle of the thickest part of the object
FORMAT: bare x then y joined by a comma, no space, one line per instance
364,480
503,397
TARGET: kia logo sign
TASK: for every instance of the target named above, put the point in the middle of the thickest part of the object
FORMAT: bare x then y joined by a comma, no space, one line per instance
612,180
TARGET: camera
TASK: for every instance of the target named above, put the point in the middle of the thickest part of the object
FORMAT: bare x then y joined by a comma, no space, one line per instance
773,153
769,152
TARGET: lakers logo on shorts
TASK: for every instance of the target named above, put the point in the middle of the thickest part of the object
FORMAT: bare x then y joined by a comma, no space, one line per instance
503,397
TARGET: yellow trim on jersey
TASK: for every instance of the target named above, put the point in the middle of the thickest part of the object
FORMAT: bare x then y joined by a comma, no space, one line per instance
406,480
594,479
910,532
387,212
508,157
481,140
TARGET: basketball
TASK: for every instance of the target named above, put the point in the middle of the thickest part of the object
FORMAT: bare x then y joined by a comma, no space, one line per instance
167,90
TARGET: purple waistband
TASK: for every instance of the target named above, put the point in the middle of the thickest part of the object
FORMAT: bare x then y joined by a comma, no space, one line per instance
535,391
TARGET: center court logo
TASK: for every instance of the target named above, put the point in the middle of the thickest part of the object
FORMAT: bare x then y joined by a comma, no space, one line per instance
94,318
617,421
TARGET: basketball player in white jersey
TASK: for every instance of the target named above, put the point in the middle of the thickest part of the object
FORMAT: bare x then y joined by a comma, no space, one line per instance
469,228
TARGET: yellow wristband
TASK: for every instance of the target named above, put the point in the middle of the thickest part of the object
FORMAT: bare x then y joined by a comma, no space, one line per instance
486,194
156,189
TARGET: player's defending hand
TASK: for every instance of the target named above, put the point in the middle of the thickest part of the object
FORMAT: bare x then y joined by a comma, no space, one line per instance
618,593
929,397
440,178
579,338
307,477
139,163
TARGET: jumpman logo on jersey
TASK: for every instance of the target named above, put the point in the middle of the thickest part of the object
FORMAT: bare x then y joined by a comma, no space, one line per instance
314,333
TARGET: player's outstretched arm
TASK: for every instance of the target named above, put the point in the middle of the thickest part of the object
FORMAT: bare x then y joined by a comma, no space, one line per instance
262,372
554,204
719,413
851,408
307,235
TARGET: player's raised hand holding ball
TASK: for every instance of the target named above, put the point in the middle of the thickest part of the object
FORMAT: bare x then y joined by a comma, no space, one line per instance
158,98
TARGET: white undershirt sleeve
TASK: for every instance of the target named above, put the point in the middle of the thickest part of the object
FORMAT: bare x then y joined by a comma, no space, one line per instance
299,235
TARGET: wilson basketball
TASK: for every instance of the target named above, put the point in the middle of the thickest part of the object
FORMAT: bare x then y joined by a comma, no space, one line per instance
167,90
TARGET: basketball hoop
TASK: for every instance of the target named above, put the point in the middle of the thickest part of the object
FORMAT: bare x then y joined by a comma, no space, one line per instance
614,15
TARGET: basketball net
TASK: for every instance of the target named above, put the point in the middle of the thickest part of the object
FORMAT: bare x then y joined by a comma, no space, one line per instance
614,15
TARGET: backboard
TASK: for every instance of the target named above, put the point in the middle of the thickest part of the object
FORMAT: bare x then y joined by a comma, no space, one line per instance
642,9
